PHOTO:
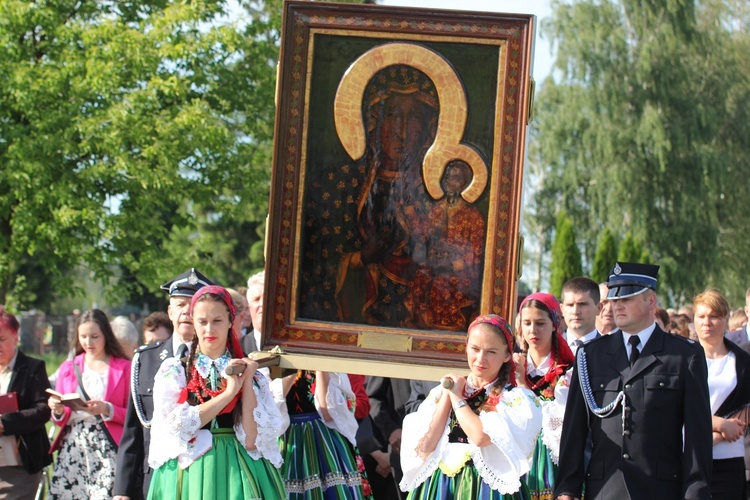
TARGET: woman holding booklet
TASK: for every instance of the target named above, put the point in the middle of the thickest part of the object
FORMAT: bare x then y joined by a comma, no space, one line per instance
88,438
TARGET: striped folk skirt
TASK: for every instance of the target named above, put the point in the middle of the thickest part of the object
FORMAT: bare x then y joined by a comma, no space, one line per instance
467,484
543,474
320,463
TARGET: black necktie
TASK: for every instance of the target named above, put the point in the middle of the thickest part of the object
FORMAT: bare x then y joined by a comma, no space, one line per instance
634,341
182,351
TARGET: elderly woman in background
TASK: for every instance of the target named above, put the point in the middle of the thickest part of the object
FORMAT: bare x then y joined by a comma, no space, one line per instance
89,437
729,392
126,334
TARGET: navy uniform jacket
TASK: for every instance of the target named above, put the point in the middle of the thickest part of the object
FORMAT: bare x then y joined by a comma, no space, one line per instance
132,471
642,457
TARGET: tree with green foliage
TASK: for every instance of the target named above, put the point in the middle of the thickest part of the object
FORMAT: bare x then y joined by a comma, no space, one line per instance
605,256
631,249
566,257
644,126
134,136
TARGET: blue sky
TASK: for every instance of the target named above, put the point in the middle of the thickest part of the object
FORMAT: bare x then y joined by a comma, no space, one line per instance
543,57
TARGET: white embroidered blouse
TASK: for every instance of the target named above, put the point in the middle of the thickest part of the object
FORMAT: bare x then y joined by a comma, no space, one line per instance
339,399
176,427
513,429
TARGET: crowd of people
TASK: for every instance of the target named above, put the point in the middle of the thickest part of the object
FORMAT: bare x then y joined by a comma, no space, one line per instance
595,393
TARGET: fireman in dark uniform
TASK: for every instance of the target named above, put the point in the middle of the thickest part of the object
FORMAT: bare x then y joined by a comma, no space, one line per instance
634,391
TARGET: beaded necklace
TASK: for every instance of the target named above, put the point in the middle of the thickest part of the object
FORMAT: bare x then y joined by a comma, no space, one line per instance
198,383
201,385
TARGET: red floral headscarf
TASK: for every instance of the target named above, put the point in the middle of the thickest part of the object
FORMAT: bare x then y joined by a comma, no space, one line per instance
232,343
563,357
502,325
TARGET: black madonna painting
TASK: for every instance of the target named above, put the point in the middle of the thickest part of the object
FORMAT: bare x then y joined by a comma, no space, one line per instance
397,175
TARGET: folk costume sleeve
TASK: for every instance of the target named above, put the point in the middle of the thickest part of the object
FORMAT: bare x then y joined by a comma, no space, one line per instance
340,400
176,426
553,412
513,428
270,424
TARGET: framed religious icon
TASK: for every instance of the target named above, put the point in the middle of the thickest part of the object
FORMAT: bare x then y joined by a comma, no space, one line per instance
396,187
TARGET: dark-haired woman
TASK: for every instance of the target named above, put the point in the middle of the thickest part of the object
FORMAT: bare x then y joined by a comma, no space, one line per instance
89,437
214,434
473,440
544,368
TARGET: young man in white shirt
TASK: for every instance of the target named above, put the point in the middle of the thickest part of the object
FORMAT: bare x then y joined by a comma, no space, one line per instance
580,307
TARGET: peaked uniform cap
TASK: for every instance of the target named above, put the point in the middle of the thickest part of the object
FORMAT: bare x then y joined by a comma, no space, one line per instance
186,284
627,279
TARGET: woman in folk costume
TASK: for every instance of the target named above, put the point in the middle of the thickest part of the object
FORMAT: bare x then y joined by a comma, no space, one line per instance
214,434
475,439
321,460
545,367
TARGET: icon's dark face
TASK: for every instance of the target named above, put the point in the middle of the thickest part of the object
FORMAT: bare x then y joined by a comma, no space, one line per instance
403,128
456,177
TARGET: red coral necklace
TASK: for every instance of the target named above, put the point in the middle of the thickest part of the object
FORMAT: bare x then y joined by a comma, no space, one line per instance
200,384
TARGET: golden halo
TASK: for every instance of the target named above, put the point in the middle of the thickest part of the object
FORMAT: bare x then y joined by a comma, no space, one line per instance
350,127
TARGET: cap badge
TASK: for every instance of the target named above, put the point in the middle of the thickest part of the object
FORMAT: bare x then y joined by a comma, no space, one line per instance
617,269
193,278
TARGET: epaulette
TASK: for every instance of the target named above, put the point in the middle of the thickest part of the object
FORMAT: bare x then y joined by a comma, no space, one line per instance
152,345
596,339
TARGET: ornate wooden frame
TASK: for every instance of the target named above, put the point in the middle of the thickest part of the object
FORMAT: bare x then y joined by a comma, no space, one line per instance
487,55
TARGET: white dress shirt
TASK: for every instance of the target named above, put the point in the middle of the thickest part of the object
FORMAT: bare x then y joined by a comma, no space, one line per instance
643,335
573,342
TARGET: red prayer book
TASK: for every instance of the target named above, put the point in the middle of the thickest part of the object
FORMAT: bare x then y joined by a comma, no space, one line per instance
8,402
